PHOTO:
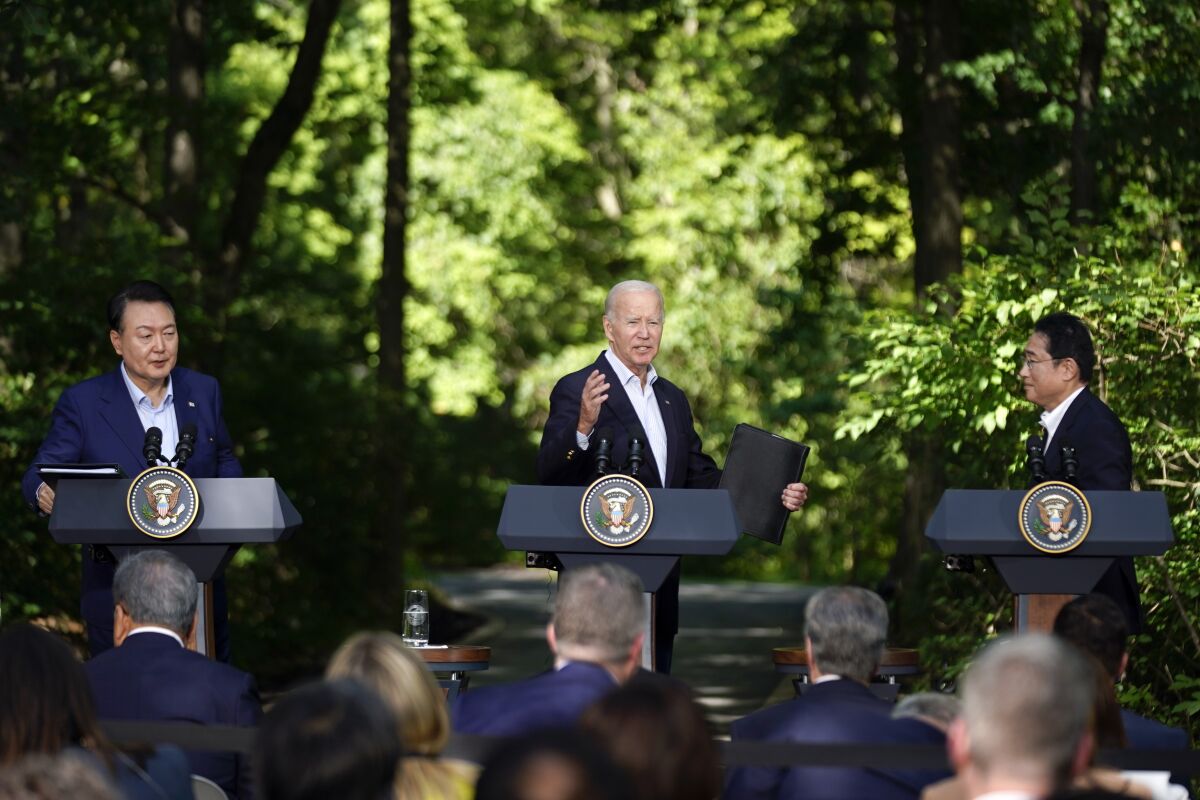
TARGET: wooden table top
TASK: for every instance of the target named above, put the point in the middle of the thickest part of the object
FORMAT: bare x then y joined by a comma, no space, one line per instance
892,656
455,654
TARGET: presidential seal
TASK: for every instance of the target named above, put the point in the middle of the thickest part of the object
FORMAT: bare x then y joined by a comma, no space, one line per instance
616,510
162,502
1054,517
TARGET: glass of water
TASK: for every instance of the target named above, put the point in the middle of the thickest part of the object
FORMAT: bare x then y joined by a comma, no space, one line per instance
416,618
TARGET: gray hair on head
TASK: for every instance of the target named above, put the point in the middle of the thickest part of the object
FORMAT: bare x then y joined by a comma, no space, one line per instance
598,613
623,287
1027,703
935,708
847,628
156,588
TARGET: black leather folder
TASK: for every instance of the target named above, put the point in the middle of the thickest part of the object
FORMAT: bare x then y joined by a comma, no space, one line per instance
759,465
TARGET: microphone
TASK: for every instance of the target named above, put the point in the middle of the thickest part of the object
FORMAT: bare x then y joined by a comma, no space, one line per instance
1037,460
1070,462
152,446
637,449
186,446
604,442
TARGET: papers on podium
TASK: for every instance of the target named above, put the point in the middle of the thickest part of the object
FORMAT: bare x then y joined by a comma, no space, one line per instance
759,465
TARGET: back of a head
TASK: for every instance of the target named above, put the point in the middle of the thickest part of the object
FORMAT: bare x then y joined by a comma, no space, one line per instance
330,739
156,588
1027,703
66,776
847,626
551,765
934,708
381,661
655,731
1096,625
1067,337
598,613
45,699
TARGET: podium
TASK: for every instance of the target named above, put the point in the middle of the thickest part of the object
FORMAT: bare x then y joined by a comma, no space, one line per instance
233,512
546,519
984,523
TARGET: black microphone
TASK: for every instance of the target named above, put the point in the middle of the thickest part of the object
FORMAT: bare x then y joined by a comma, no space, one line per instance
604,442
1070,462
637,449
152,446
1037,460
186,446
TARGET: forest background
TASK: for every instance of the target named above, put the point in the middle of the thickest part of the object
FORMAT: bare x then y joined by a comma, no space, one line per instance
390,227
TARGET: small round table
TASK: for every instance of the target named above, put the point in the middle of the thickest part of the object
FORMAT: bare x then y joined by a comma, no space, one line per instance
455,662
897,662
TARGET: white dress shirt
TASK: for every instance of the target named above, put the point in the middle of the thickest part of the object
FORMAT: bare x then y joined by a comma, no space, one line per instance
1052,419
645,405
162,417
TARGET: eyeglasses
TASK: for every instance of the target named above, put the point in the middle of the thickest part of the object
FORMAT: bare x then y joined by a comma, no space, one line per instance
1027,363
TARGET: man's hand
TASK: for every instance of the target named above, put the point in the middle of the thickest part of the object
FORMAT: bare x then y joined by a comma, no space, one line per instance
45,498
794,496
595,392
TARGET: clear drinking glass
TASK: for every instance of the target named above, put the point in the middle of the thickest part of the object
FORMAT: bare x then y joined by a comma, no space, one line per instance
416,618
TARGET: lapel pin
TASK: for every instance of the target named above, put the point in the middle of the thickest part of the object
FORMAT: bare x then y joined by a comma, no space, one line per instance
191,403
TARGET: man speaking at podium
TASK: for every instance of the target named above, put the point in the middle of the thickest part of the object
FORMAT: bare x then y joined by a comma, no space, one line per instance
1056,368
104,420
619,398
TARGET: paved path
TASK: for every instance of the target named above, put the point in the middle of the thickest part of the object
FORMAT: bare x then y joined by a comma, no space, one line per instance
723,650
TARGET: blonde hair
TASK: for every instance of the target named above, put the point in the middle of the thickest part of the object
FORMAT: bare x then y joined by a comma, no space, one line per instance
381,661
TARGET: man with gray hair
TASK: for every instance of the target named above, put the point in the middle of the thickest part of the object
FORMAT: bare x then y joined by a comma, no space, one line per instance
620,397
1024,730
596,638
154,674
845,631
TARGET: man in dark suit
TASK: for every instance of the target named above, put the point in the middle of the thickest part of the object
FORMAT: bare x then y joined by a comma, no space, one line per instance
105,419
581,405
596,637
1096,625
845,629
1056,368
152,675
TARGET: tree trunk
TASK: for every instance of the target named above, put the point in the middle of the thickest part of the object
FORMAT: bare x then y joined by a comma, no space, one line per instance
391,461
1093,21
269,144
185,108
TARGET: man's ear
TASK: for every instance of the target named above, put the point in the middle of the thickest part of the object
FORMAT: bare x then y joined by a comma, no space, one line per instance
115,338
1124,665
189,638
958,744
633,658
122,624
551,639
1083,754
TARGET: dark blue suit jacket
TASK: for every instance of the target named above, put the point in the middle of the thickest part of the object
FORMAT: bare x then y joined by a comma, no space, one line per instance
553,699
1143,733
561,463
834,712
1105,464
150,677
96,422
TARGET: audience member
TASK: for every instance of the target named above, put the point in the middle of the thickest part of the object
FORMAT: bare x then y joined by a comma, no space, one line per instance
46,708
1096,624
66,776
937,709
656,732
551,765
152,675
382,662
1024,729
596,637
334,739
845,633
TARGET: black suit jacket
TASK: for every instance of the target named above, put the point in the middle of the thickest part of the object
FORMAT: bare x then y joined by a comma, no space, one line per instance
561,463
1105,463
150,677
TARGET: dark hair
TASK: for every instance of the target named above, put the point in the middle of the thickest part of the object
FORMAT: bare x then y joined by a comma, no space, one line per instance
45,699
1107,725
330,739
524,763
1067,337
136,292
655,731
1096,625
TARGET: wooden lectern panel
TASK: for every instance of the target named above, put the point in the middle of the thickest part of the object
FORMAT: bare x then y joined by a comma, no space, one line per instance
1036,612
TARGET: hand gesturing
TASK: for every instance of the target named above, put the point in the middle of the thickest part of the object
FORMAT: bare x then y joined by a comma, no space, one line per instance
595,392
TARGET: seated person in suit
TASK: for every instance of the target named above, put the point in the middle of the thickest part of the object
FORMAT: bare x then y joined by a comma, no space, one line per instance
152,675
845,629
105,419
1025,728
596,636
335,739
935,709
